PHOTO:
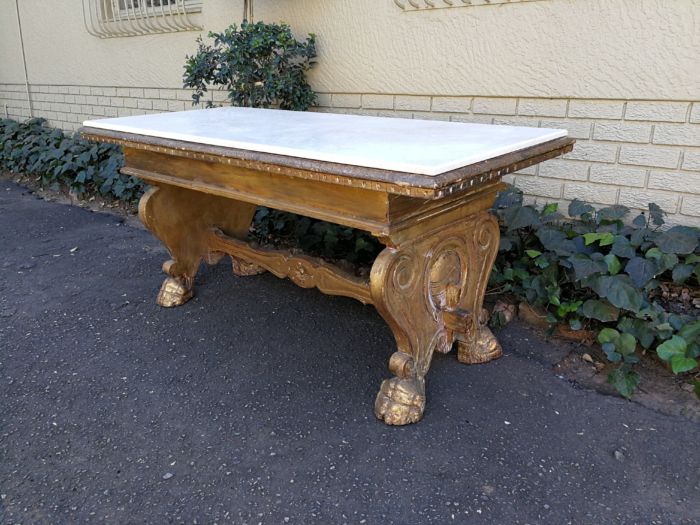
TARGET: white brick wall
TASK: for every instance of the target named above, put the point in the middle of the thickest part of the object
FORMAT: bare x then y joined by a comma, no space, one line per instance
627,152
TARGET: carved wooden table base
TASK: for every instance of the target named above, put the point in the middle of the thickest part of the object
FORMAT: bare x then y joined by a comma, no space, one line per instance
428,283
429,288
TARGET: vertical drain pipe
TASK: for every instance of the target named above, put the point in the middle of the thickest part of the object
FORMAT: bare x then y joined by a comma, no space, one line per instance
24,61
248,11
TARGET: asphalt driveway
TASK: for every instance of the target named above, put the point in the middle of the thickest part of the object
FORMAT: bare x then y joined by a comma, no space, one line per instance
253,404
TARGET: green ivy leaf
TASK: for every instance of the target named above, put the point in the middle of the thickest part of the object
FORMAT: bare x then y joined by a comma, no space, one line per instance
624,380
656,214
577,208
690,331
613,213
653,253
533,253
523,217
584,266
623,294
606,238
626,344
505,244
640,221
614,265
667,262
555,240
673,347
641,270
681,273
640,329
550,209
611,352
608,335
622,248
680,364
600,310
679,239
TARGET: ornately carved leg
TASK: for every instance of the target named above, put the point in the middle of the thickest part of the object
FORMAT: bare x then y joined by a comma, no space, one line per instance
430,291
183,219
401,285
479,345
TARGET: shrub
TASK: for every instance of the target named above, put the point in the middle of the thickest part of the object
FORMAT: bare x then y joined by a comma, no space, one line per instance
601,271
260,65
320,238
58,159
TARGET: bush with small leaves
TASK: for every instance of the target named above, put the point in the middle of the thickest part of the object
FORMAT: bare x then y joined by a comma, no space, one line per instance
260,65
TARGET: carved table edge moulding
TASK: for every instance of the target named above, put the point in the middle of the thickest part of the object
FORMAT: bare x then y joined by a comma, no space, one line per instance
429,281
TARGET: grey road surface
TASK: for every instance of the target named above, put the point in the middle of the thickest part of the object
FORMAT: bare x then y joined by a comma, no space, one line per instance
253,404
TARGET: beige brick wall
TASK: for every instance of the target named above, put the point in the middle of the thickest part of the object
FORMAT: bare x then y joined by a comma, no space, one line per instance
627,152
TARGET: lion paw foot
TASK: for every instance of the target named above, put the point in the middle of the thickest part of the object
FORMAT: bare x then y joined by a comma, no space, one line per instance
174,292
482,349
400,401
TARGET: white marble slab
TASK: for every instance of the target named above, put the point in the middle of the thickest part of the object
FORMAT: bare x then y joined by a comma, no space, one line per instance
424,147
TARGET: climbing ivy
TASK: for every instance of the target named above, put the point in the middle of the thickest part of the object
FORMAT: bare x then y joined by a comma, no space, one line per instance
64,160
597,268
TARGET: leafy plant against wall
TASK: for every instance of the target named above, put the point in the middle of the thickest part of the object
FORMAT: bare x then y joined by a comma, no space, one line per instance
315,237
63,160
260,65
604,272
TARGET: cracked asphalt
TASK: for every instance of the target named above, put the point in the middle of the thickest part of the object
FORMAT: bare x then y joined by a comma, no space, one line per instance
253,404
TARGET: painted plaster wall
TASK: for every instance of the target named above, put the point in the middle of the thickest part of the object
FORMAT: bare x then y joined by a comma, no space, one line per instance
11,69
60,51
631,49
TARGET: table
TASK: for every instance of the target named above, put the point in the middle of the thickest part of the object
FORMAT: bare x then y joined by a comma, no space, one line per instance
423,188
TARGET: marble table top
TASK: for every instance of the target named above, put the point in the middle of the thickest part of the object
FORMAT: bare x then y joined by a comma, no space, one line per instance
425,147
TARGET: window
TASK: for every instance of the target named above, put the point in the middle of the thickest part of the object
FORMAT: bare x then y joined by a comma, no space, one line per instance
114,18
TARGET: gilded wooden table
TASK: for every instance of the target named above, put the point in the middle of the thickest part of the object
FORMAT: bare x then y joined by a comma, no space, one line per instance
423,188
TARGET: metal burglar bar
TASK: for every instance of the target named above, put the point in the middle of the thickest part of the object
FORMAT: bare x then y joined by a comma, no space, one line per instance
115,18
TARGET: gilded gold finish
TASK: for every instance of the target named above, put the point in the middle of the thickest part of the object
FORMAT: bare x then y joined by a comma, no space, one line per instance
420,186
174,292
304,271
400,401
243,268
428,283
182,219
426,289
483,348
